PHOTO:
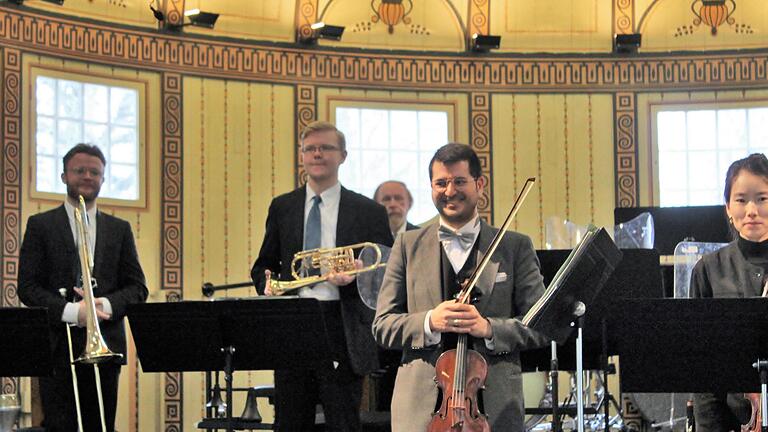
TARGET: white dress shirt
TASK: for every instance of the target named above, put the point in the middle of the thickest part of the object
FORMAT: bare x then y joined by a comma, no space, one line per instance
329,215
71,309
457,256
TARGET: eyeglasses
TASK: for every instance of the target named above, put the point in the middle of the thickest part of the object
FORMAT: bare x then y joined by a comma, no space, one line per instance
441,185
323,148
80,171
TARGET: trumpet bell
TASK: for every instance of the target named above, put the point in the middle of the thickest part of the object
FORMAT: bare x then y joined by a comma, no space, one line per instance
10,407
369,283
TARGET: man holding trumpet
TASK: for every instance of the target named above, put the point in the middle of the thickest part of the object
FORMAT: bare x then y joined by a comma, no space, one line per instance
49,276
323,214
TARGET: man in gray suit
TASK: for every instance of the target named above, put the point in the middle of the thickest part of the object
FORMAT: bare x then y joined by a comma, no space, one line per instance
416,311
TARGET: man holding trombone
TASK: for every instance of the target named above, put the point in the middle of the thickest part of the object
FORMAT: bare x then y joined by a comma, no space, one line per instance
323,214
50,275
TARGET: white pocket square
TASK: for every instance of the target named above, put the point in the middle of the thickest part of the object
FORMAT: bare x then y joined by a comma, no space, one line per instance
501,277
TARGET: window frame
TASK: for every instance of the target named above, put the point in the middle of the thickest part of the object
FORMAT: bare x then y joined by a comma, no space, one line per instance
692,105
87,77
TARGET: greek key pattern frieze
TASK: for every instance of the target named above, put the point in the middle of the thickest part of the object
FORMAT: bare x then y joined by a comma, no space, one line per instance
171,221
480,141
253,62
11,180
11,186
625,150
623,16
306,113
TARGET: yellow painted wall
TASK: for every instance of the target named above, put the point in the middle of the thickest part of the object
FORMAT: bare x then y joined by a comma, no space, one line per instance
566,142
238,154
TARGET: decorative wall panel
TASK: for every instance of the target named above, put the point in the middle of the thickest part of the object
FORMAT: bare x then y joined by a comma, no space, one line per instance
11,185
306,113
172,201
306,15
623,16
625,127
480,140
479,20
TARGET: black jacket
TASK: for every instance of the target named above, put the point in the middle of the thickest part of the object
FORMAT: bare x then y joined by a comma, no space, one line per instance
49,261
360,219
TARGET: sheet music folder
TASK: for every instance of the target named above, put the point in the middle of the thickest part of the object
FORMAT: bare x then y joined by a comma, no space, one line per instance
267,333
691,345
579,279
25,347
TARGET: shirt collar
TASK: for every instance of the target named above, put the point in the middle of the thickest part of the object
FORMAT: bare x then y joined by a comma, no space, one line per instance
71,210
471,227
329,196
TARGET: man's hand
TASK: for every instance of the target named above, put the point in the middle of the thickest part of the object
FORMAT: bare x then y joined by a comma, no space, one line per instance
267,289
452,317
340,279
82,311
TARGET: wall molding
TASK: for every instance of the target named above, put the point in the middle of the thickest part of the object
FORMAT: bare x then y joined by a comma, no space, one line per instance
171,267
261,62
625,151
480,141
10,116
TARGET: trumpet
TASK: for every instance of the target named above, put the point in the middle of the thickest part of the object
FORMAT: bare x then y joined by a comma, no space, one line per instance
339,260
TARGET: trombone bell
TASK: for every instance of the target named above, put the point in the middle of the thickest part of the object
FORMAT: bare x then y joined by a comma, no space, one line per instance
338,260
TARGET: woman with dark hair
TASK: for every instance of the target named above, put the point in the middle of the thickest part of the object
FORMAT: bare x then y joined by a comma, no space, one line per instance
737,270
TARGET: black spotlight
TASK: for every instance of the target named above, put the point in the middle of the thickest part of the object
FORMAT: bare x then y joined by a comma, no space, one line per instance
202,19
321,30
626,43
157,13
485,43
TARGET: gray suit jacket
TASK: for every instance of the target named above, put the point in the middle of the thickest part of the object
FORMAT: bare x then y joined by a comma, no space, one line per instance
510,285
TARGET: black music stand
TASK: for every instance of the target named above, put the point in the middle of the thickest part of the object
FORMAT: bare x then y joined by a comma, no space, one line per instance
25,347
570,295
637,275
233,335
683,345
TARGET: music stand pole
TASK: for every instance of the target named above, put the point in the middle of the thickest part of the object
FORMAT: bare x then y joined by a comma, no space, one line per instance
762,367
553,376
229,352
579,309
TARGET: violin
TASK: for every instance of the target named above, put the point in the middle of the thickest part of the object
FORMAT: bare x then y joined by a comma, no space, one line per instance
460,373
756,420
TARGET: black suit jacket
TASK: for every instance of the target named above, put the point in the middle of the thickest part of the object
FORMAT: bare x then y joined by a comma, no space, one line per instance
49,261
360,219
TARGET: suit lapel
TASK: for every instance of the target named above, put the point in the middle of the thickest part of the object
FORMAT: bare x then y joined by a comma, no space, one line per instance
102,231
66,238
427,264
345,221
487,278
296,219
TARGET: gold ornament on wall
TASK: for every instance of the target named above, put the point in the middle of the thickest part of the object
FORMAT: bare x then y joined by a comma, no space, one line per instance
391,12
713,13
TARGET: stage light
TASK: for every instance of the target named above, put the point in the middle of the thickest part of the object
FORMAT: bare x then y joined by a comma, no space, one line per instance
626,43
485,43
201,19
321,30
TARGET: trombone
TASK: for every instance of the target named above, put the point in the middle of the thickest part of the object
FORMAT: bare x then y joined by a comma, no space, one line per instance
339,260
96,350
